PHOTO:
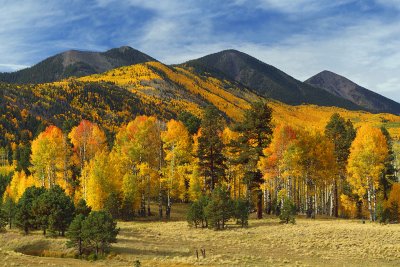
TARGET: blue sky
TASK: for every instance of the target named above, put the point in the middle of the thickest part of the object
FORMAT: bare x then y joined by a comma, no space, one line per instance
359,39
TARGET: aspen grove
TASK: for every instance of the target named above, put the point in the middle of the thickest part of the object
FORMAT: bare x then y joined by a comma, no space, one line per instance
339,172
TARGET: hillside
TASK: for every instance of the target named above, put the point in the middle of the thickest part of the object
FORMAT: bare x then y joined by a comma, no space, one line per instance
265,79
151,88
343,87
76,63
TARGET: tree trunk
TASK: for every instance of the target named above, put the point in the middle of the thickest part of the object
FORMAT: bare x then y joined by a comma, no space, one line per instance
265,199
370,204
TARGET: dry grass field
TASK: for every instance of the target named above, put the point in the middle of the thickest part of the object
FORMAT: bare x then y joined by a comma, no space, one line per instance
320,242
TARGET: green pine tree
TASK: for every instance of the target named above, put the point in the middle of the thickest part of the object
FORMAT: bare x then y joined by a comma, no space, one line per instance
211,158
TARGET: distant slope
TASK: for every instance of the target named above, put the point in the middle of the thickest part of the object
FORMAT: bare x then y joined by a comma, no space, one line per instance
115,97
265,79
76,63
343,87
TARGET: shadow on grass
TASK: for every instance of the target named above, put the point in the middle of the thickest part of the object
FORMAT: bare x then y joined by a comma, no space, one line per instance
130,247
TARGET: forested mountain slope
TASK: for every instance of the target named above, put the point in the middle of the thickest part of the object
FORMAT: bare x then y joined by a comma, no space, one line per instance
76,63
117,96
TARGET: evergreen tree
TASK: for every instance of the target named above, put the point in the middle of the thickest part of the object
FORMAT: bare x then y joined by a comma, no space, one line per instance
9,208
255,134
99,231
220,208
53,210
242,207
24,217
113,205
191,122
82,208
388,176
196,213
3,218
74,233
342,134
210,147
61,209
288,211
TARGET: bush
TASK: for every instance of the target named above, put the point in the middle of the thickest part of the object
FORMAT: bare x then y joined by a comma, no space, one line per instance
383,214
288,211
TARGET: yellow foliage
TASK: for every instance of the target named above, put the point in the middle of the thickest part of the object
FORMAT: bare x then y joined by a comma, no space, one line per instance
19,183
99,180
394,196
348,206
368,153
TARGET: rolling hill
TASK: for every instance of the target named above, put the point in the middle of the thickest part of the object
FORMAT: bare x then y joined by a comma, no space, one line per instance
76,63
343,87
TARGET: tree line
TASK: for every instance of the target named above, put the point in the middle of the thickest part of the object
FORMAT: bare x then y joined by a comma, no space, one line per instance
342,171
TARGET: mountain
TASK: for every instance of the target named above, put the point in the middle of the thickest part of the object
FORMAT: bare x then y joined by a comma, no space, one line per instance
343,87
76,63
115,97
265,80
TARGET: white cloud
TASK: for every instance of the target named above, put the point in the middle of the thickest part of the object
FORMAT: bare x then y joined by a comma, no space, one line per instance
362,48
294,6
366,53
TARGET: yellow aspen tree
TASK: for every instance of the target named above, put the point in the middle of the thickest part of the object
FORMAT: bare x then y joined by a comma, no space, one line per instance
136,144
177,146
366,162
49,153
18,184
87,139
234,171
99,180
272,167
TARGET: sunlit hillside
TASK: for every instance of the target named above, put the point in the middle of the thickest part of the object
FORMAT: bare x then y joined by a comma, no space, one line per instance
156,82
311,116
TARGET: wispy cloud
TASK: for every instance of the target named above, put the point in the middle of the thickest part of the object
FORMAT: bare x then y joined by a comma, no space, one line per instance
357,39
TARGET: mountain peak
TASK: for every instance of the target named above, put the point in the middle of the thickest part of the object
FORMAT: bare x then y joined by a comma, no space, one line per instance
265,80
76,63
347,89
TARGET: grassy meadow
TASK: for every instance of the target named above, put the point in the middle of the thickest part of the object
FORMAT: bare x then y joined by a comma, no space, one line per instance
320,242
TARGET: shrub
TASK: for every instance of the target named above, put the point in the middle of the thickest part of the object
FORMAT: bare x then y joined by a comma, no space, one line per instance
288,211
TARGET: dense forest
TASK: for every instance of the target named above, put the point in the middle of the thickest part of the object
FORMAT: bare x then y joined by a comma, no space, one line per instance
341,171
